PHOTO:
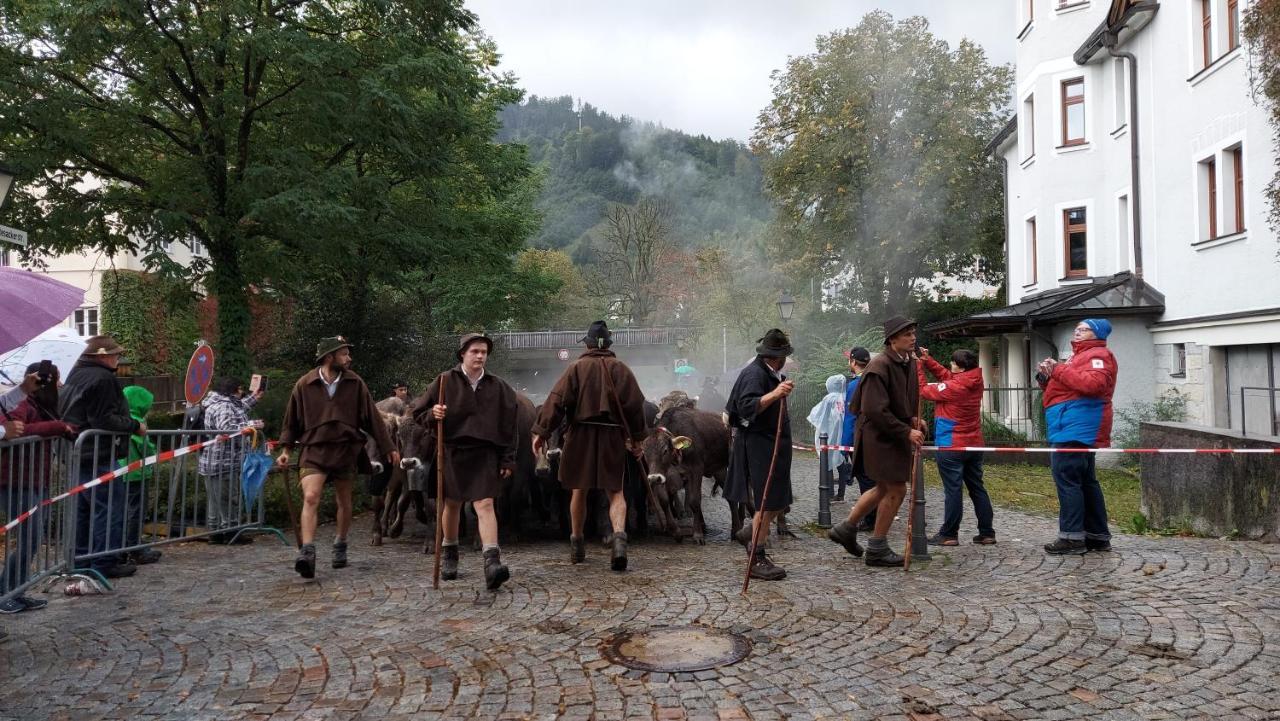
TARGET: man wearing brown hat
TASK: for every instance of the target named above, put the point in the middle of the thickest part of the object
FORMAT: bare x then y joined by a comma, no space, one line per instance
754,405
604,407
479,414
329,413
888,430
91,399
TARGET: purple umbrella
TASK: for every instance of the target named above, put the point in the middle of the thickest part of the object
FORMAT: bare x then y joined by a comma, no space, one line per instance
32,303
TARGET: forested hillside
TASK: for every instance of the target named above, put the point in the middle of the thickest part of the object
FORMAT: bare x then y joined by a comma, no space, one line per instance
713,187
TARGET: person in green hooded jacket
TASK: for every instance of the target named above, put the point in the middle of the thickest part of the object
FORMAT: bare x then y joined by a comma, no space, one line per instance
140,401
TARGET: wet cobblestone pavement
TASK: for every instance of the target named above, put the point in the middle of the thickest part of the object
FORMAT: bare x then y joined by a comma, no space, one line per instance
1160,628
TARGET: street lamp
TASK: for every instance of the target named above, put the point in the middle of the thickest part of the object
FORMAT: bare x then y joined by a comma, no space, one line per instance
6,182
786,306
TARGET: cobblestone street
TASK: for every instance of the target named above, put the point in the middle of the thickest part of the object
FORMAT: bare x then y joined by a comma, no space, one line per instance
1159,628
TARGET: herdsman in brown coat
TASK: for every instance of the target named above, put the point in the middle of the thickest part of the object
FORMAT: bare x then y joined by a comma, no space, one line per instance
602,402
329,413
479,414
888,431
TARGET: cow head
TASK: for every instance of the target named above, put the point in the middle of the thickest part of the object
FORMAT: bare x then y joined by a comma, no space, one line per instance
664,454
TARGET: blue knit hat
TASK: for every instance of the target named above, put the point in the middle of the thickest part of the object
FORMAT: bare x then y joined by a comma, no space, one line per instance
1101,327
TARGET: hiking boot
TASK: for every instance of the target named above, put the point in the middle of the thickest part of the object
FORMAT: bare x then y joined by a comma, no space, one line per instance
618,561
577,549
764,569
883,556
306,563
495,574
846,534
938,539
144,556
1065,547
449,563
1097,546
340,554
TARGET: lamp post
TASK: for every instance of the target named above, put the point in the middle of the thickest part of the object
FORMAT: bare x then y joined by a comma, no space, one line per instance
786,306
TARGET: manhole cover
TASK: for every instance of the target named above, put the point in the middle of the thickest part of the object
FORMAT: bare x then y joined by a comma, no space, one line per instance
675,649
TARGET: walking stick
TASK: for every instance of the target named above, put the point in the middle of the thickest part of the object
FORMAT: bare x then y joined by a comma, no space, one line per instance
911,491
764,497
435,570
288,501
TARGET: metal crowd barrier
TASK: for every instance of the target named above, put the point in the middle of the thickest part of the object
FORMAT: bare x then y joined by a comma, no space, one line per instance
32,469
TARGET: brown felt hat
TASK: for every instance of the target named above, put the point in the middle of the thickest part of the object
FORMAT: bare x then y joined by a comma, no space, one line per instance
101,345
470,338
896,325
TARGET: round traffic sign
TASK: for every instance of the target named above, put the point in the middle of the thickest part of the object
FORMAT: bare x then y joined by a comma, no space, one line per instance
199,375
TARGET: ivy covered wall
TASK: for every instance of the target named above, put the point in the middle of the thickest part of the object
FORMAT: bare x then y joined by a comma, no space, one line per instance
155,319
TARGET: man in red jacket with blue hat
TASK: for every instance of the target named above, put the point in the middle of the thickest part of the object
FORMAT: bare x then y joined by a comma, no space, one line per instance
957,414
1077,409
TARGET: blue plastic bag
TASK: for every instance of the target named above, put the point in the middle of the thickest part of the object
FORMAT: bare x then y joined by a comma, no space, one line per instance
253,473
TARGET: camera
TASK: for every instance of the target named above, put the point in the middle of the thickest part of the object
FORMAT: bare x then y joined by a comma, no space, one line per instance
44,374
1041,378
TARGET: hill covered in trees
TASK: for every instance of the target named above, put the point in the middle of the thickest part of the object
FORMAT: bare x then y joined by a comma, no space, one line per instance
590,159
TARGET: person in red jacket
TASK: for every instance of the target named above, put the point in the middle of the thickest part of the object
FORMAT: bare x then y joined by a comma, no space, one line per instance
957,414
1077,411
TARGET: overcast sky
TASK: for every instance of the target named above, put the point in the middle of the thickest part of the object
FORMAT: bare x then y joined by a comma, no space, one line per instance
701,66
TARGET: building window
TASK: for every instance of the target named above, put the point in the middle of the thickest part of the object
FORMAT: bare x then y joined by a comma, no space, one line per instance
1179,360
1029,115
197,249
1073,112
1120,79
86,321
1209,198
1236,158
1075,242
1233,25
1032,271
1206,32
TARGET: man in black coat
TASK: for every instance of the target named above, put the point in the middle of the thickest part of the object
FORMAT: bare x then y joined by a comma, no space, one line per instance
91,400
754,406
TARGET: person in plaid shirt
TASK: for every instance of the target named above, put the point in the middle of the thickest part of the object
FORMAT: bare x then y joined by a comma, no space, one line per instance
226,408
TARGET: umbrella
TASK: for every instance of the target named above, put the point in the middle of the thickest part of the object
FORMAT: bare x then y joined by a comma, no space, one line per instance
62,345
33,303
684,370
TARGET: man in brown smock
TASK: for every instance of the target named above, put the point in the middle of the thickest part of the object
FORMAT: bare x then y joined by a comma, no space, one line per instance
479,414
888,431
602,402
329,413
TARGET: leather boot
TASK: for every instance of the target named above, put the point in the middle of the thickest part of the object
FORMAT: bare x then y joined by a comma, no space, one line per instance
495,574
577,549
449,563
306,563
619,560
846,534
764,569
340,554
879,554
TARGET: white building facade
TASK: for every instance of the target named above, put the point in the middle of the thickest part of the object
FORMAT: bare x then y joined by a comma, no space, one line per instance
1136,168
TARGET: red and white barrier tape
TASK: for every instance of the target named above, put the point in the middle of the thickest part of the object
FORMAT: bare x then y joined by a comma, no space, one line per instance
993,449
119,472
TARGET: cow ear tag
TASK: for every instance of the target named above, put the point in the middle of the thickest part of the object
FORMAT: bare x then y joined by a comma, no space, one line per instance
681,442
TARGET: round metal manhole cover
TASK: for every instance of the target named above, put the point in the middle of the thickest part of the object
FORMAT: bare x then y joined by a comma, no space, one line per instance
675,649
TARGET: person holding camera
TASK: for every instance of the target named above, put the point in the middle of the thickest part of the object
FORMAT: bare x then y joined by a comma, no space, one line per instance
226,408
91,400
24,480
1077,410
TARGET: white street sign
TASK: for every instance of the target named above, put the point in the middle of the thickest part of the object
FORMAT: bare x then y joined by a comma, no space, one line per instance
13,235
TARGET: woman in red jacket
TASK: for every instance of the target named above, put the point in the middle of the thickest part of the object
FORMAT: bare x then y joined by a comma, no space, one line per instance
25,469
957,413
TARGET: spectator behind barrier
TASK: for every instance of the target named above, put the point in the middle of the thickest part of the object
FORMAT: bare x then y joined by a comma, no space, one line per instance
225,408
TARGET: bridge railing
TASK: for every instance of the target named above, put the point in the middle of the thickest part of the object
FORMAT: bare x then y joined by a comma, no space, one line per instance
556,339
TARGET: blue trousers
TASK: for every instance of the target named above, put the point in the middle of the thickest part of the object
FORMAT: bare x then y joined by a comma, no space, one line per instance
1082,511
100,515
21,543
960,470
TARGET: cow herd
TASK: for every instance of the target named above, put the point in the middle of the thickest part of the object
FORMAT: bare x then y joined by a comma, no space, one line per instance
683,446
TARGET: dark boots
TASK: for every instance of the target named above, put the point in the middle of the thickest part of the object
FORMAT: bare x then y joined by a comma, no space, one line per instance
340,554
618,561
879,554
764,569
846,534
449,562
306,563
577,549
495,574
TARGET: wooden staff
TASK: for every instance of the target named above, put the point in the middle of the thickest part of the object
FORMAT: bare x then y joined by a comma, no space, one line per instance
911,487
435,571
764,497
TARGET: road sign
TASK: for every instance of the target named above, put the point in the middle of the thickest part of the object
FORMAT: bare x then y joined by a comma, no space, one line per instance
13,235
563,354
199,374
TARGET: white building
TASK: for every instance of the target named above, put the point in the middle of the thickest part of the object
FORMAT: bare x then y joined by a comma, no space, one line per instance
89,270
1135,172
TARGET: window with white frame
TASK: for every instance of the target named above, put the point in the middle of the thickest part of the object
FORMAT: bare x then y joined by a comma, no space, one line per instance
1120,84
1028,132
197,249
1233,189
1220,193
85,321
1075,243
1207,182
1205,37
1072,101
1178,361
1031,271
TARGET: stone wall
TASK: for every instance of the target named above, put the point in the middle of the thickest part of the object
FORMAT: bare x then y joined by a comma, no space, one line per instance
1217,495
1191,385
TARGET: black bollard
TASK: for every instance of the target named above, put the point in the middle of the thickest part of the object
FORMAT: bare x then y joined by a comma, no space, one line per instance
919,535
824,484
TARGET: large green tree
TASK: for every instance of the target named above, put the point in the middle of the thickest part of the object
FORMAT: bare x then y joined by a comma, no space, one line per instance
305,144
873,153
